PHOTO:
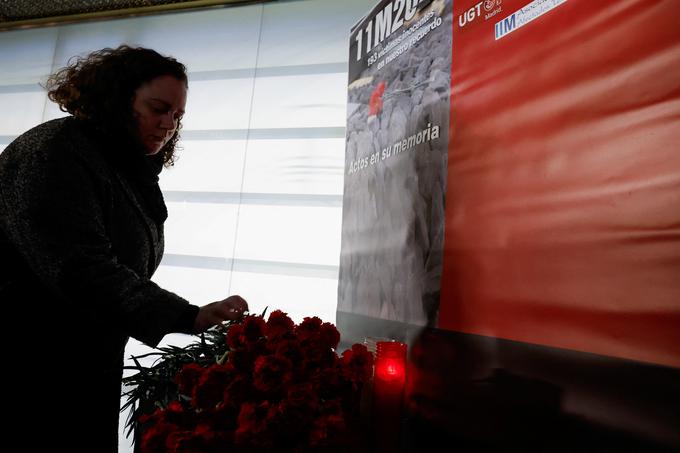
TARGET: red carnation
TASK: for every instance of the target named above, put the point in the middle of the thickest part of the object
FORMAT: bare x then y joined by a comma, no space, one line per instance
308,329
271,373
235,337
251,420
238,390
193,441
279,324
242,360
153,440
209,391
290,349
330,337
357,363
187,378
253,329
300,400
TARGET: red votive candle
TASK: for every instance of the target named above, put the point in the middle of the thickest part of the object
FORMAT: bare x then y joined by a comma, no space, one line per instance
390,365
389,382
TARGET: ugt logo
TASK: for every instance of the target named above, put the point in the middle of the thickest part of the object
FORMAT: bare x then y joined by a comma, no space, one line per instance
476,11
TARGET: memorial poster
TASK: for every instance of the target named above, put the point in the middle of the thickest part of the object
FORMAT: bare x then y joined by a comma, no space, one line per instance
395,164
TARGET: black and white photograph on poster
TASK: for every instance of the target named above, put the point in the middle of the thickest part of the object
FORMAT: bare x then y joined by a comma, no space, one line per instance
396,162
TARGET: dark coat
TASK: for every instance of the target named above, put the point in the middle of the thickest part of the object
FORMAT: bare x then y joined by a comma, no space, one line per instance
81,233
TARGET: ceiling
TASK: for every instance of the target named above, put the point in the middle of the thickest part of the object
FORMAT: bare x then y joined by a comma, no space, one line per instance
36,13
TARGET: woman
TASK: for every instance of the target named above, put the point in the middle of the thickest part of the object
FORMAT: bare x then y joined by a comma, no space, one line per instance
81,234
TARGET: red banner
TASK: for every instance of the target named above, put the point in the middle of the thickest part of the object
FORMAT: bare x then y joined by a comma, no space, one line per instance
563,187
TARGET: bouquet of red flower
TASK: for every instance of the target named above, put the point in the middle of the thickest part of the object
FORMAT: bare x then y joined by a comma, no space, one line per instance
276,386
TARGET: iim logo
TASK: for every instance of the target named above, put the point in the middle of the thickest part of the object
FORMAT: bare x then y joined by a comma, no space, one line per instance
506,25
523,16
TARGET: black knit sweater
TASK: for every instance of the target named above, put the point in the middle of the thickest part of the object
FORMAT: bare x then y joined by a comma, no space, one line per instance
81,234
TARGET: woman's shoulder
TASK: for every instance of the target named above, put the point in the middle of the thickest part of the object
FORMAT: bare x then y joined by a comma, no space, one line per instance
55,138
39,134
44,136
53,143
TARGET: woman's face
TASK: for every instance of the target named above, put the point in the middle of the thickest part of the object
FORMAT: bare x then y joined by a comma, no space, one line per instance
158,106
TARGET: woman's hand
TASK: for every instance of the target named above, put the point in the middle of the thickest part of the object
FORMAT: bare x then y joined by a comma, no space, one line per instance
229,309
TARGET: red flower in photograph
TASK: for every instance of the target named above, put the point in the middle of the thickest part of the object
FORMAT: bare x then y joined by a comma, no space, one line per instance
375,103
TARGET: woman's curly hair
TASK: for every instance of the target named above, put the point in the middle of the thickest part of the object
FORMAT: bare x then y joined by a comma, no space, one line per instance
100,88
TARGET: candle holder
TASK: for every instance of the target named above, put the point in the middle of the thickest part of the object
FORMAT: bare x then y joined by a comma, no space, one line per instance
389,382
390,364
